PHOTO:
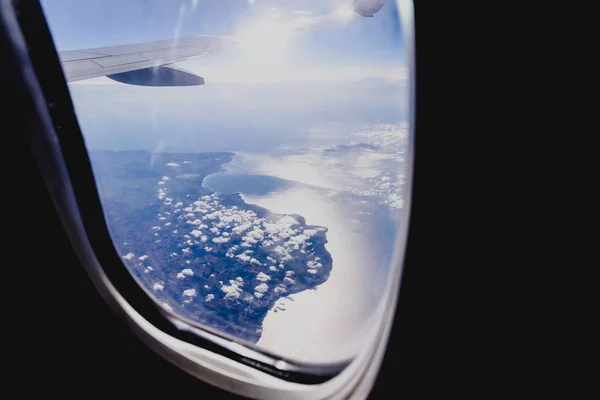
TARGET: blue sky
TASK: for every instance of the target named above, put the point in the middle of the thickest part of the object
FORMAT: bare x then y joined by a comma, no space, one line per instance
273,90
77,24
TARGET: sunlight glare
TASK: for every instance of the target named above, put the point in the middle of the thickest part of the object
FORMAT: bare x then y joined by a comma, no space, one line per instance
345,13
266,39
264,42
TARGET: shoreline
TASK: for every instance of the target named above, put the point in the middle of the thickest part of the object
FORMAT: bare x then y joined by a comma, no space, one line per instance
325,324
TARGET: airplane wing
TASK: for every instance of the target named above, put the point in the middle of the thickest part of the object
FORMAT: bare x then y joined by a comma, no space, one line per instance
151,63
146,64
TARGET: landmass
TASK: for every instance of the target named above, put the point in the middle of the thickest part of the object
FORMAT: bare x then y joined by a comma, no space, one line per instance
209,257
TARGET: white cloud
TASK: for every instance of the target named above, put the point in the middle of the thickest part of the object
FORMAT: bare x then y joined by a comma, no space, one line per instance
262,288
232,290
189,292
209,297
249,240
196,233
263,277
220,240
390,138
282,227
128,256
280,250
258,295
272,268
187,272
158,286
142,258
241,228
243,257
279,289
297,241
254,236
172,164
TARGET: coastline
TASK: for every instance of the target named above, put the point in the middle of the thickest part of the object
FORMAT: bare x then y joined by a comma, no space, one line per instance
324,325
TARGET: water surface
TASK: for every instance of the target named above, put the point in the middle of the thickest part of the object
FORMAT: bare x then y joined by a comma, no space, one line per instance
254,185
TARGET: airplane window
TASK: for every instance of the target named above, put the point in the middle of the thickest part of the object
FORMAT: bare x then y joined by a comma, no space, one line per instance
251,156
